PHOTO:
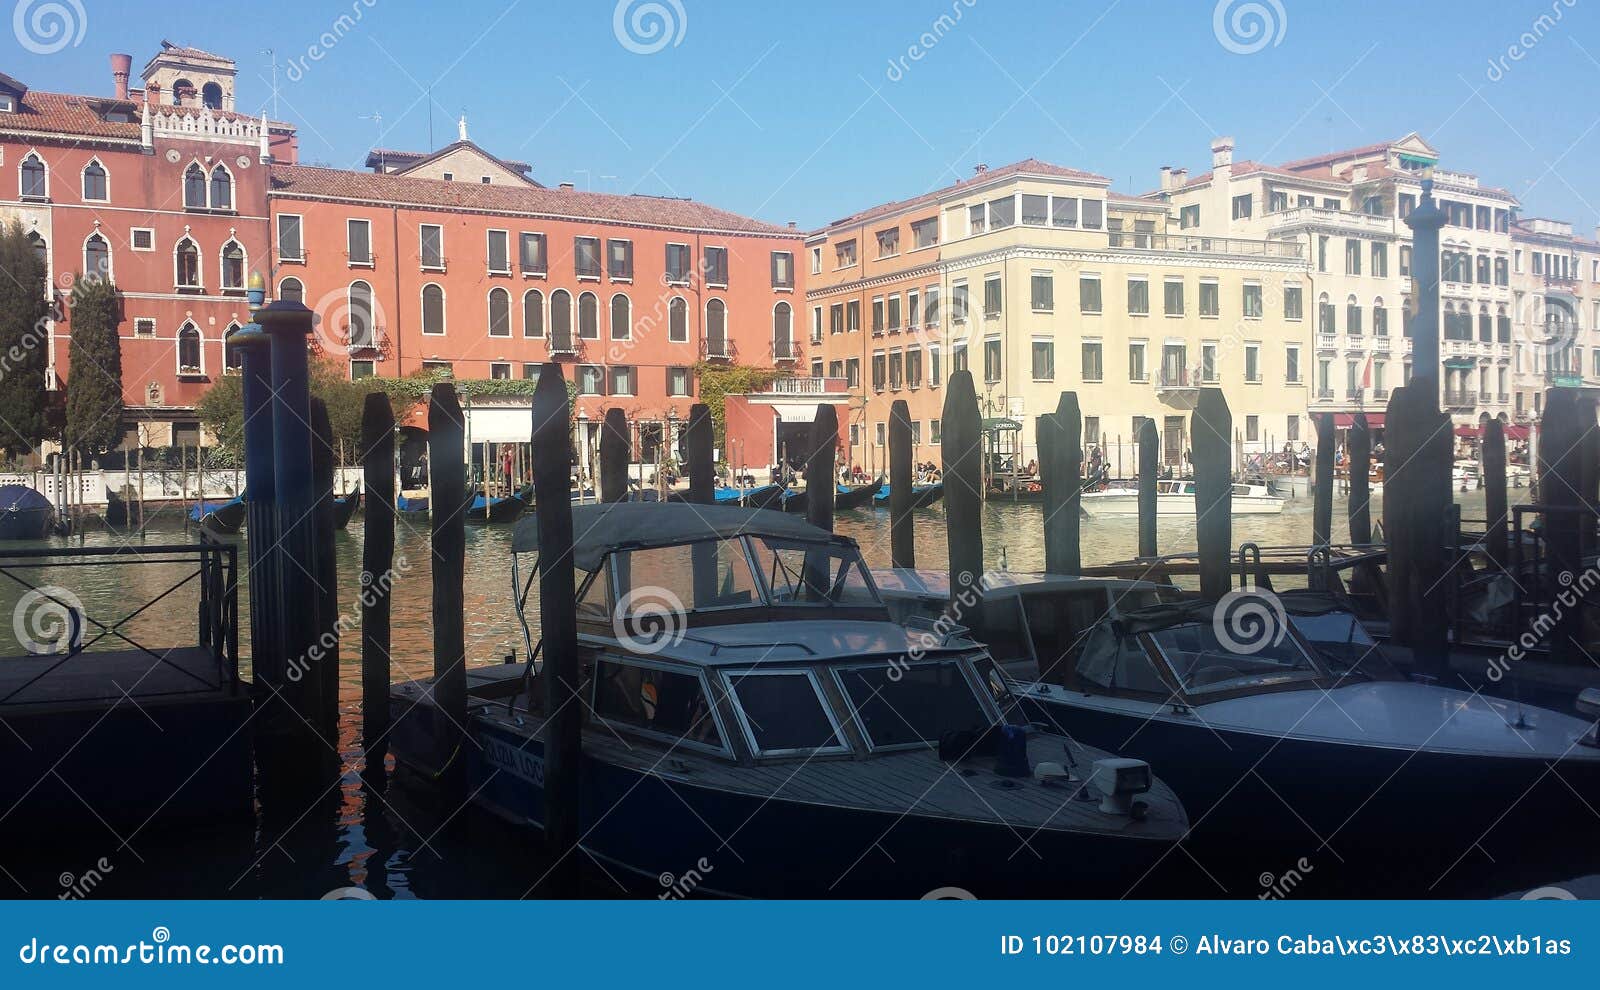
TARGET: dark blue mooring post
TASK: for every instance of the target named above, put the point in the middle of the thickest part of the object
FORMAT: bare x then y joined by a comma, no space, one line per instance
288,325
265,647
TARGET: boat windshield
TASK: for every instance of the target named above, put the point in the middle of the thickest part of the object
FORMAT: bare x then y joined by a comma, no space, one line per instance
911,705
799,573
1204,664
685,577
1342,642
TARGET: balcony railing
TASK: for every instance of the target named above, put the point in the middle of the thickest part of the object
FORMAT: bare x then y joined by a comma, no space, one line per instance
718,347
563,342
1353,394
1380,395
1196,244
1177,378
785,350
1458,399
1321,216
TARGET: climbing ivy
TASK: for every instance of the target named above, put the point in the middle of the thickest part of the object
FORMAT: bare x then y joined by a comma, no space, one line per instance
718,381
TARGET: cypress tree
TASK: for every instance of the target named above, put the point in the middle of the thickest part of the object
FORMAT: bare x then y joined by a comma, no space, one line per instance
24,343
94,383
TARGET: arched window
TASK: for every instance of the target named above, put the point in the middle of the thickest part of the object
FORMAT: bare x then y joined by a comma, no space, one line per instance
533,313
41,250
95,186
589,316
34,179
221,189
290,290
189,350
1352,316
782,326
1485,325
194,187
717,328
360,328
96,257
560,319
1380,318
211,96
182,90
621,318
499,312
1483,269
1324,314
187,264
432,309
1503,326
678,320
232,357
233,265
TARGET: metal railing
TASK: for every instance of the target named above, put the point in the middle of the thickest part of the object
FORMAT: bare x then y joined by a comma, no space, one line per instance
1196,244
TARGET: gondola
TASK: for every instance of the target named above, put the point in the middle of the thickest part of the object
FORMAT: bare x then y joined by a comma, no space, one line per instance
848,497
765,497
220,518
344,507
496,510
796,501
123,509
24,513
921,495
416,505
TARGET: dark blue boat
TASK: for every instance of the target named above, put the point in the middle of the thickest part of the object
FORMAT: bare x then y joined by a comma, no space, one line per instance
24,513
417,505
496,510
856,497
220,518
344,506
921,495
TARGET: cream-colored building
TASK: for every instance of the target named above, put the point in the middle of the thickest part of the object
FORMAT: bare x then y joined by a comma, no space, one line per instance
1046,281
1555,282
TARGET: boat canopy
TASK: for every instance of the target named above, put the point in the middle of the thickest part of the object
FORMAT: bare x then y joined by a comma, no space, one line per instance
1154,618
610,526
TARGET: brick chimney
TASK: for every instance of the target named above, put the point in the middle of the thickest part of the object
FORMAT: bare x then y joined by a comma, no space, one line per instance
1180,176
120,66
567,187
1222,152
1166,178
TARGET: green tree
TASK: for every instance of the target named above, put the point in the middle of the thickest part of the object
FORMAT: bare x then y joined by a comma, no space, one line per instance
25,314
94,386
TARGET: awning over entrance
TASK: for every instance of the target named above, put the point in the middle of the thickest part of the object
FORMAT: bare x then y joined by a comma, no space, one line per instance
1343,421
1517,432
1468,431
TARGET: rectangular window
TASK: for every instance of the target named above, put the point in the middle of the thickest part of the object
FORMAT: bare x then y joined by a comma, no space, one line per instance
590,379
958,302
1138,297
925,233
1172,297
888,242
499,252
934,433
1035,210
1380,260
1252,363
1093,214
844,254
877,315
836,318
931,313
852,316
1044,360
500,371
1252,429
991,295
816,324
782,270
1189,217
621,379
1089,294
1064,211
619,260
1252,300
1293,303
897,370
358,241
991,359
935,368
678,264
1291,428
716,265
531,254
1278,201
586,257
816,261
1241,207
1291,364
290,247
913,310
144,326
1352,257
1136,368
1002,212
914,368
880,371
1208,361
430,246
1044,292
143,239
1210,299
1093,358
894,313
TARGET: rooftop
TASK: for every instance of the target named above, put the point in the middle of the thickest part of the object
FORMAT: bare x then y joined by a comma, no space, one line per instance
85,116
1028,166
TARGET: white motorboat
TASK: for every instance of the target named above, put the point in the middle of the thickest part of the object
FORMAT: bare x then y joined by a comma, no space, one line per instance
1176,498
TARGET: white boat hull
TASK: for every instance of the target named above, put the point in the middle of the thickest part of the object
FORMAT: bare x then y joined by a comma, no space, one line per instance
1112,504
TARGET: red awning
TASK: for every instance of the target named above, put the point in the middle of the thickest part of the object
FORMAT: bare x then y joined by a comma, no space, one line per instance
1517,433
1343,421
1467,431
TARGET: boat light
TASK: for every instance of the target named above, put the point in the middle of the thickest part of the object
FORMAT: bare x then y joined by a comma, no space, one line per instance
1118,780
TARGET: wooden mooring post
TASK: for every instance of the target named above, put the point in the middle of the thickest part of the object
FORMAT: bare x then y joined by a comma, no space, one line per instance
614,451
1211,427
326,570
698,440
1322,483
963,487
1399,447
558,630
1060,470
377,574
1360,508
1149,470
819,467
447,497
1496,510
902,548
1563,436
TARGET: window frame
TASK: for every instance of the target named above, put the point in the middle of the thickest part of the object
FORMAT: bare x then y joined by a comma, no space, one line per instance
985,699
730,678
299,236
371,259
672,739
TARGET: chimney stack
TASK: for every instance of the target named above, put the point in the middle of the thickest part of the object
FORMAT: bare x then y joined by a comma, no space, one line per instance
1166,178
120,66
794,224
567,187
1222,152
979,168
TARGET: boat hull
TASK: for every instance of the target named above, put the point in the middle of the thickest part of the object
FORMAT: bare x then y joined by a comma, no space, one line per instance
25,524
855,498
1115,504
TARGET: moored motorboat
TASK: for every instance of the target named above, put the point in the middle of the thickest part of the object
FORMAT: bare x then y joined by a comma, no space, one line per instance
1176,498
25,514
743,678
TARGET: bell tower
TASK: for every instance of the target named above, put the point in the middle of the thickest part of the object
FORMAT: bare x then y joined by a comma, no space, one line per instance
189,77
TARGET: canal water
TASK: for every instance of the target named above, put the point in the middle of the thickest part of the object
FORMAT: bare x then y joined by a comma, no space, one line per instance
387,840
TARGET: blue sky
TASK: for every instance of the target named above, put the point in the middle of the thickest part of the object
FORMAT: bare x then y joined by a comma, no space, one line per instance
810,111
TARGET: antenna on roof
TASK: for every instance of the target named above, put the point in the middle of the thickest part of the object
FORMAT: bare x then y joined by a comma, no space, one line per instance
377,118
273,55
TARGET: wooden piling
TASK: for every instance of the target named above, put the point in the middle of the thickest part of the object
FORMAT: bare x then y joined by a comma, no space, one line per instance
1069,479
1400,437
558,622
902,551
1562,437
1211,426
963,485
326,571
1322,483
1494,494
1149,470
377,566
1433,534
614,450
1360,509
698,441
1047,439
448,497
819,469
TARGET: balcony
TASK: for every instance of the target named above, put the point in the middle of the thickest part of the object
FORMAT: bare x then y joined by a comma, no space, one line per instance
1317,216
1380,395
1458,399
785,351
1352,394
562,342
1178,387
1195,244
1505,397
1324,395
1561,377
717,347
